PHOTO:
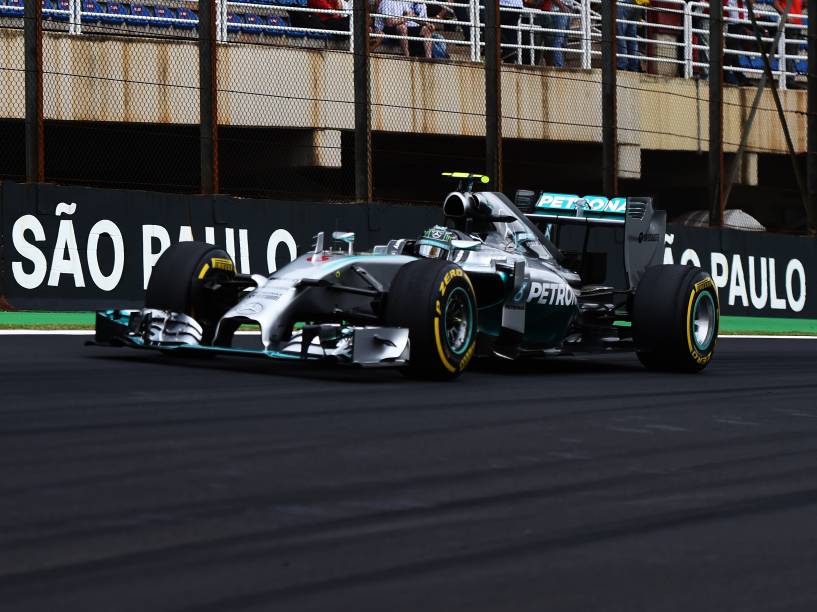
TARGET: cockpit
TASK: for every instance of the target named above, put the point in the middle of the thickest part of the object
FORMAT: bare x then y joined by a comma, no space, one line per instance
497,222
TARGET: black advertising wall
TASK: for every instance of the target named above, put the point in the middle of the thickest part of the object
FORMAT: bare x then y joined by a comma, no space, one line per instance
74,248
757,274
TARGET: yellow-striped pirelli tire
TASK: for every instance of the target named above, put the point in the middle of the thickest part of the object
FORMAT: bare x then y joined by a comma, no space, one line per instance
434,299
182,279
676,314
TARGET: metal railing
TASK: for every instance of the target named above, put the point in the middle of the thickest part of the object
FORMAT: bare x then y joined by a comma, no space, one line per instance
673,34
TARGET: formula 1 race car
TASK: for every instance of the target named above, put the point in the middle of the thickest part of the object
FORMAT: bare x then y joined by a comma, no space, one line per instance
491,281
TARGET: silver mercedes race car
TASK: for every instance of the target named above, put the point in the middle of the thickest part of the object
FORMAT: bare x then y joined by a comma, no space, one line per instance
490,281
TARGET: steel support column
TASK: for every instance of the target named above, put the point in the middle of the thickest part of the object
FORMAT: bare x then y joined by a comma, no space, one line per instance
609,104
34,133
493,95
208,97
363,111
715,113
812,117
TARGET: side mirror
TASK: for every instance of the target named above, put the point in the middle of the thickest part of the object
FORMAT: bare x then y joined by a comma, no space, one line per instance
465,245
347,237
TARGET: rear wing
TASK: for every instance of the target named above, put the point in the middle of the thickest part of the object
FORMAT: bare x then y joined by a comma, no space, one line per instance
644,227
593,210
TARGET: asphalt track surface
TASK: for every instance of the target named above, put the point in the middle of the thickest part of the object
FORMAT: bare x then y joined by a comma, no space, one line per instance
131,482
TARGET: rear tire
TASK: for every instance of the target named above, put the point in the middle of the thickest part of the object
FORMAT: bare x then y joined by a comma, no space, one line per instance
179,282
676,315
435,300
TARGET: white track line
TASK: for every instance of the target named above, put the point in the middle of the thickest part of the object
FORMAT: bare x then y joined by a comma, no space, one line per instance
760,337
75,332
90,332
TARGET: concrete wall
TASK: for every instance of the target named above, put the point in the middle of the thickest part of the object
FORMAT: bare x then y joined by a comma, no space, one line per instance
90,78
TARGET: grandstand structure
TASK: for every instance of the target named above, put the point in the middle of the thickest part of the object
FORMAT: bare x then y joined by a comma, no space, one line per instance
121,98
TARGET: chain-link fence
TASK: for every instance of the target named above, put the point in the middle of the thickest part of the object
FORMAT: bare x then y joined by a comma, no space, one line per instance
12,111
121,98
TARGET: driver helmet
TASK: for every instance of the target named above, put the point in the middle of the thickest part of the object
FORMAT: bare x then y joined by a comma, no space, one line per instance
436,242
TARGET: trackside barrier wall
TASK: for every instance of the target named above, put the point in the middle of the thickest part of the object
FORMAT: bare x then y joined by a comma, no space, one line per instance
79,248
76,248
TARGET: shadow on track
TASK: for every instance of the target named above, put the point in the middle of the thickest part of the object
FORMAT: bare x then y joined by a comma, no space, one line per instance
545,367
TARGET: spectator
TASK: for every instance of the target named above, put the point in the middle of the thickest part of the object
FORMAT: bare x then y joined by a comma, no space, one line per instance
792,34
460,13
330,21
398,22
509,31
627,15
541,38
439,46
700,25
557,40
734,14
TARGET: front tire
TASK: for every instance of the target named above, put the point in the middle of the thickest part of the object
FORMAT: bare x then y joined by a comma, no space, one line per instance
180,282
434,299
676,315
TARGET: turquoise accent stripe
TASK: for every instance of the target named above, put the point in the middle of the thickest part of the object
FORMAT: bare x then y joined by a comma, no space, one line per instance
728,324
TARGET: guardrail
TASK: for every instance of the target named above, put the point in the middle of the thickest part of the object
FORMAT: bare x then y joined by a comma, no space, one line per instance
672,33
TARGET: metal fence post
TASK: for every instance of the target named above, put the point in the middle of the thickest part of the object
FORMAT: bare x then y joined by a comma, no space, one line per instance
208,97
587,48
363,115
352,32
811,158
222,6
609,106
218,20
72,16
715,113
77,12
493,94
475,29
33,42
781,59
688,53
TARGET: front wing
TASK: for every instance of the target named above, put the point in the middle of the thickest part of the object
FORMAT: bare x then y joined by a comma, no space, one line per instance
178,333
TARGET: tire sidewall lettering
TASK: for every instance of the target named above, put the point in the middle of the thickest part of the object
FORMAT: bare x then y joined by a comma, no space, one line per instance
449,360
706,285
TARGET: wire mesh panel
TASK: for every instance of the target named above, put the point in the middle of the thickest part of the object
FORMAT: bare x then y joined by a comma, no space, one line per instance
120,96
286,99
427,117
287,114
12,111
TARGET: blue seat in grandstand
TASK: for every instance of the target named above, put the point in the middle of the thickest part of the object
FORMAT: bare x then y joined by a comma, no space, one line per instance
234,21
165,13
744,61
116,13
294,33
318,35
191,19
11,8
65,10
251,20
801,66
138,14
279,26
92,11
757,63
